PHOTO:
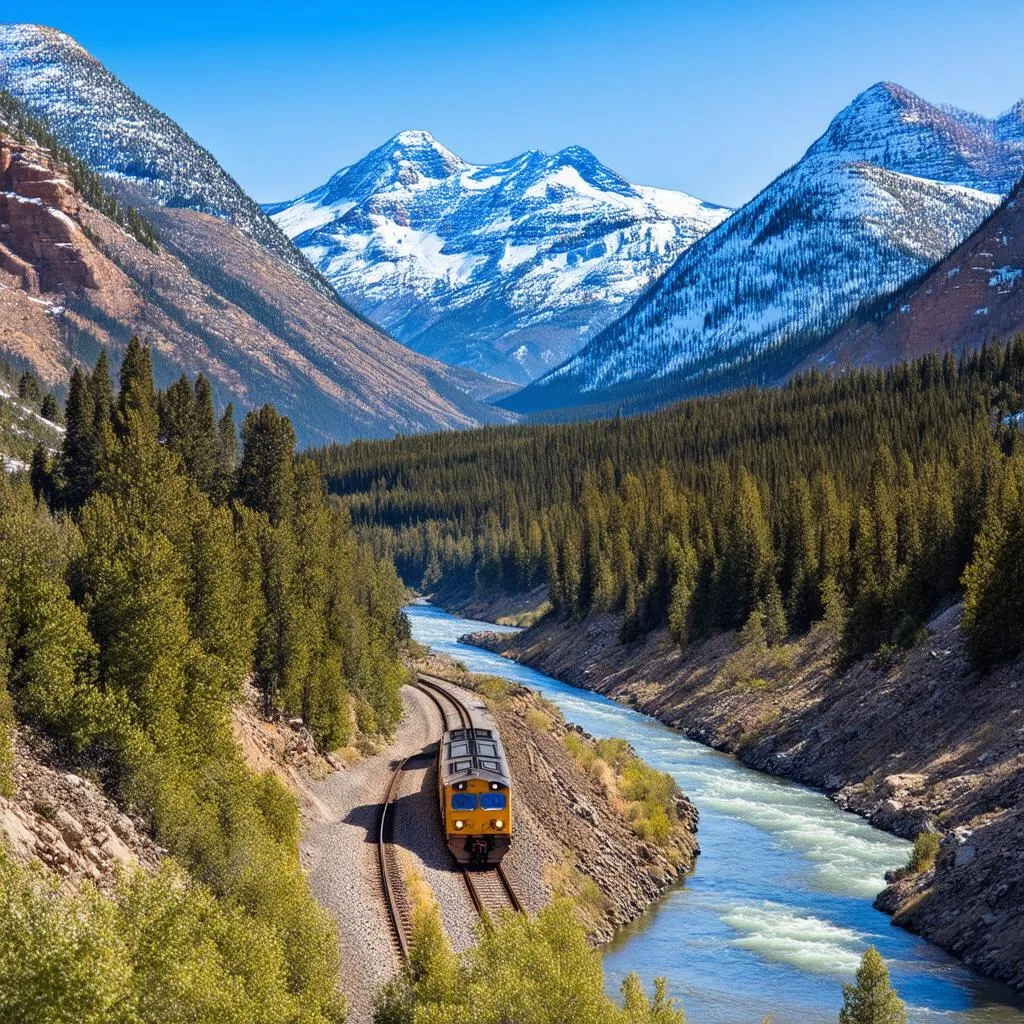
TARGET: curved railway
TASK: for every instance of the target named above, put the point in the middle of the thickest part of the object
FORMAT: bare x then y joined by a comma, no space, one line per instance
490,889
391,878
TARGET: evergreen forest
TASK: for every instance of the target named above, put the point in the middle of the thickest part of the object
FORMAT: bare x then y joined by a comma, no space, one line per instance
874,498
155,564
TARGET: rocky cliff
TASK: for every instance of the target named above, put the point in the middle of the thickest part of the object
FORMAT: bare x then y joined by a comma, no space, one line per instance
209,300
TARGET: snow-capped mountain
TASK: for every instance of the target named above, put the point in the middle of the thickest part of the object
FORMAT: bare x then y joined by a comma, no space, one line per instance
893,185
144,154
975,295
225,293
506,268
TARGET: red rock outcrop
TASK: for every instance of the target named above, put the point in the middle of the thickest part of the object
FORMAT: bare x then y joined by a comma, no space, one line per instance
41,242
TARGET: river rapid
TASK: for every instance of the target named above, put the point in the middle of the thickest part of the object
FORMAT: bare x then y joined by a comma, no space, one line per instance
778,910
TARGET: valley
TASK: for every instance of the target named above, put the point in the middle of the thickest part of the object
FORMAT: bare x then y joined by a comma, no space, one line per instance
718,511
782,891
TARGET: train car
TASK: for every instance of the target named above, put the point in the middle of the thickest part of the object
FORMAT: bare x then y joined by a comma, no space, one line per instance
475,791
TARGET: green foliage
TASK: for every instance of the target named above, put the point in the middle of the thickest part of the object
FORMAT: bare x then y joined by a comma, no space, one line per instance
872,1000
647,796
6,740
25,126
127,629
522,970
926,849
163,950
994,596
855,499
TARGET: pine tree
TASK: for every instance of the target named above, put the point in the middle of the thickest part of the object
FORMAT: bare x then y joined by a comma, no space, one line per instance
225,458
136,394
50,409
29,390
78,455
265,476
872,1000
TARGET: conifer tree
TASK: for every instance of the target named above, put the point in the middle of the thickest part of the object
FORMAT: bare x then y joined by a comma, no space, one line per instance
225,457
265,476
872,1000
136,393
78,456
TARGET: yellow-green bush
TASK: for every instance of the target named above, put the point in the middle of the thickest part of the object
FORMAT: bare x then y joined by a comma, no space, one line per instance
522,970
162,950
647,796
926,849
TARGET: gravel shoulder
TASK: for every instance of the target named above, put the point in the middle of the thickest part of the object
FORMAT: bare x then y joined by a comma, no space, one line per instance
339,852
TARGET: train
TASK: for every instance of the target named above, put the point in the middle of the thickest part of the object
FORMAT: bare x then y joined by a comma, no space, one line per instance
475,789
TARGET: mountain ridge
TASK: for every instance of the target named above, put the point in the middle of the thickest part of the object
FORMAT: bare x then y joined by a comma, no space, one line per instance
503,267
892,185
212,298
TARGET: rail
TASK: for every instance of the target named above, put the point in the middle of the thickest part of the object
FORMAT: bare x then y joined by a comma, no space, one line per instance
490,889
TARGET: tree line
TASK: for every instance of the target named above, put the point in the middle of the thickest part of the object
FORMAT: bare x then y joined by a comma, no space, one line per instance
872,498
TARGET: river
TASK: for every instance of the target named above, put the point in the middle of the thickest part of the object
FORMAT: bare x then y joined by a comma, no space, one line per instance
778,910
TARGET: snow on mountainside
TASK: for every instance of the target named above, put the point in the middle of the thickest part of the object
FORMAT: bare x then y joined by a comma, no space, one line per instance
892,186
975,295
506,268
141,151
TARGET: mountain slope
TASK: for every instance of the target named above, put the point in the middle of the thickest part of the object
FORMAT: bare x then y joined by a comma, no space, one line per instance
226,293
892,186
123,137
507,268
72,280
974,295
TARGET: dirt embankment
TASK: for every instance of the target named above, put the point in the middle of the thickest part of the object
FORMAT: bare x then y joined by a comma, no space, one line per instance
921,743
66,821
522,609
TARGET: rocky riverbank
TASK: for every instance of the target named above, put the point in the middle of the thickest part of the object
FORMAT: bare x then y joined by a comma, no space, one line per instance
917,743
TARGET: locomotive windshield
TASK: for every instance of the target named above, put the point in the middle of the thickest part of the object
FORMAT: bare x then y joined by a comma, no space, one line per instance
463,801
493,801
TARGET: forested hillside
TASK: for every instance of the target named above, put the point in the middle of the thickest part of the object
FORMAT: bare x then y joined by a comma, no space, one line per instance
143,582
865,498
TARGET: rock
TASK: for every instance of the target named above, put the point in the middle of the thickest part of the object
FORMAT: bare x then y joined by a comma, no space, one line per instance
70,828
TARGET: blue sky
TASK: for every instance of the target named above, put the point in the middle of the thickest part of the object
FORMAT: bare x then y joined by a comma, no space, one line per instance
711,98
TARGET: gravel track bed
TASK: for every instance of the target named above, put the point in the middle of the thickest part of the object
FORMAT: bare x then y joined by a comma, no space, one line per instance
418,832
339,851
340,856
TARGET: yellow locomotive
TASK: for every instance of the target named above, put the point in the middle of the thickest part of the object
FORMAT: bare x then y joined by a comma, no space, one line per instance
475,790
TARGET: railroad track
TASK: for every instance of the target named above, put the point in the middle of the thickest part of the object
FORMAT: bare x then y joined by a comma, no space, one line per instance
391,876
431,686
490,889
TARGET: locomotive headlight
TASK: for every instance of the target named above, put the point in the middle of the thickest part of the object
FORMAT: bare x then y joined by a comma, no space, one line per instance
494,785
460,823
499,823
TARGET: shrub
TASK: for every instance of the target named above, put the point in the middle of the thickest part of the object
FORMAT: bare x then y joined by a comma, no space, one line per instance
6,742
522,970
163,949
926,849
493,688
538,721
581,751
